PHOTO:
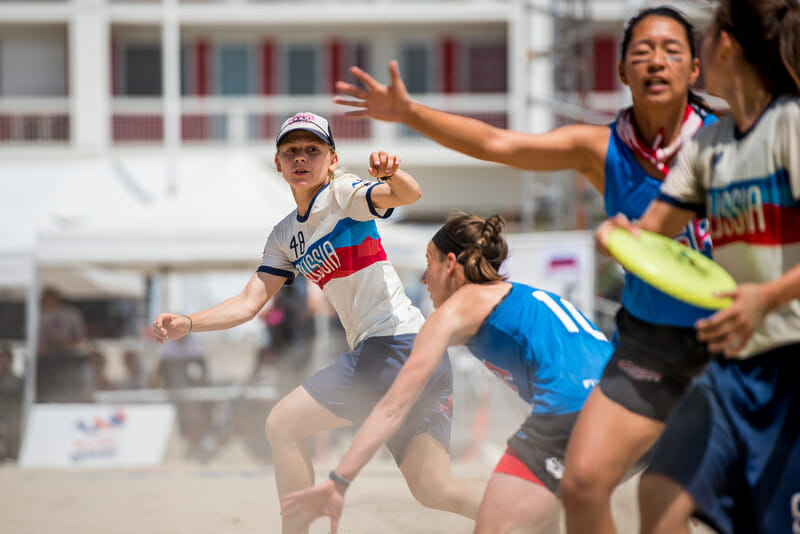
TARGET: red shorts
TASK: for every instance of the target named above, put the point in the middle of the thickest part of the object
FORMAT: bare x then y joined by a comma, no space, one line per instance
511,464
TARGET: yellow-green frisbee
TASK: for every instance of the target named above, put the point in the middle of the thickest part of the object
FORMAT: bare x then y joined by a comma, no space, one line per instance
673,268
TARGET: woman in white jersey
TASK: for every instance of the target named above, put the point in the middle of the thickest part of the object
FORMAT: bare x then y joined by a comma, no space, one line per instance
730,453
331,238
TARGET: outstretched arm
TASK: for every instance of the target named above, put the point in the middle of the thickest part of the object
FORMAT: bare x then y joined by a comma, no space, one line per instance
579,147
227,314
445,327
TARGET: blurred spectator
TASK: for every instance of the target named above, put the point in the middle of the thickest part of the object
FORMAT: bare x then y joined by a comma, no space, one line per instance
183,365
289,324
98,363
62,331
63,371
11,393
134,375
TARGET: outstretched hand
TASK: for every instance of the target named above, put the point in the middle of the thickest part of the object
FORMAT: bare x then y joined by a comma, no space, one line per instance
311,503
378,101
170,326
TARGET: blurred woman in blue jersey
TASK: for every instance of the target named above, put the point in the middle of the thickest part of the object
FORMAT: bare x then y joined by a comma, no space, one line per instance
730,453
656,353
538,343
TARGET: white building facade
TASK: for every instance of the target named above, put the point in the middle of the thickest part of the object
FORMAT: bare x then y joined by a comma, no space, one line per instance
88,78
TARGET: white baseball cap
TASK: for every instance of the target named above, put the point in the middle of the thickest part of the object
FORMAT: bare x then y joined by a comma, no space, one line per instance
310,122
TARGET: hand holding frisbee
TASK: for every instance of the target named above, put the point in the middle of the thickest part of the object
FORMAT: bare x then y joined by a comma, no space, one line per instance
669,266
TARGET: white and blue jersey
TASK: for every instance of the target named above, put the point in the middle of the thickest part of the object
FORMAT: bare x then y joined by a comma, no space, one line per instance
734,440
336,245
748,185
543,348
629,190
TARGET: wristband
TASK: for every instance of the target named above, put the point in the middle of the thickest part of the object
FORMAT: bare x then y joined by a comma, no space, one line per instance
191,324
339,479
385,178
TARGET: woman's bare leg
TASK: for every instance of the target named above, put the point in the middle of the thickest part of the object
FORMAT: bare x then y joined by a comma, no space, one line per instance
297,416
606,443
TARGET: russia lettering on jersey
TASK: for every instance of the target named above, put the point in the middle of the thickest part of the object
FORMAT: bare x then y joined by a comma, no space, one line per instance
348,248
336,246
759,211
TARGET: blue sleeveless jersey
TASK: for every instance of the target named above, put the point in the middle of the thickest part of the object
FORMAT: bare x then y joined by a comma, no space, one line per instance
543,348
629,190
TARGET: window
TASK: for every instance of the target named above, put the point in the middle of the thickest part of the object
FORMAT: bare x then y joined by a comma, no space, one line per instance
234,70
142,69
487,67
33,65
302,70
12,320
341,56
415,66
187,73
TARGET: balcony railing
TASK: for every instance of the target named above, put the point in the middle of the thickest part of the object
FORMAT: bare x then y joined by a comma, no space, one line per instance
220,120
34,120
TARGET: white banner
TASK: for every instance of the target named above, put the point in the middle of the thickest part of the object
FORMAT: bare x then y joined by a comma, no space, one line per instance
96,435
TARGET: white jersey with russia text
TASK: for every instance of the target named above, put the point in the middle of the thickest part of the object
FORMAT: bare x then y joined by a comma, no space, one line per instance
337,246
748,185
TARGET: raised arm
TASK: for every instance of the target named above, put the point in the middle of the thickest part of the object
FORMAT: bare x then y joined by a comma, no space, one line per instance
227,314
579,147
398,188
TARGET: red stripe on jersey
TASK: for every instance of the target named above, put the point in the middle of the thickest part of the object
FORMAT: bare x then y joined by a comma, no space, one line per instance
781,224
353,259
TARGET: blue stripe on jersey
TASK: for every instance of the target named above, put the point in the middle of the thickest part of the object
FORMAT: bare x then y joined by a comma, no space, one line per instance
372,209
347,233
698,209
775,189
542,347
276,272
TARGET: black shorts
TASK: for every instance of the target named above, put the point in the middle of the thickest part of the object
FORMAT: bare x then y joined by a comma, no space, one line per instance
652,366
541,443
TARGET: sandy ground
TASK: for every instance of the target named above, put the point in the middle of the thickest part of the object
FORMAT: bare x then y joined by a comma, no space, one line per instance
182,497
234,493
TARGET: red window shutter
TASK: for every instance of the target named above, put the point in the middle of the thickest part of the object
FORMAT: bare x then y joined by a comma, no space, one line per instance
449,66
605,64
202,76
267,68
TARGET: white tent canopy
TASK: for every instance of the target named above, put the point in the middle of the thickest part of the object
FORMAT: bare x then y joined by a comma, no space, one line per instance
219,218
93,223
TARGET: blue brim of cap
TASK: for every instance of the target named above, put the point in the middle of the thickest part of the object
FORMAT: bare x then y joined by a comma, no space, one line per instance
323,138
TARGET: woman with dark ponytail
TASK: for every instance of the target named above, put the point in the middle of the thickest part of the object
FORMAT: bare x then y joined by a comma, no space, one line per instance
626,162
535,341
730,453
